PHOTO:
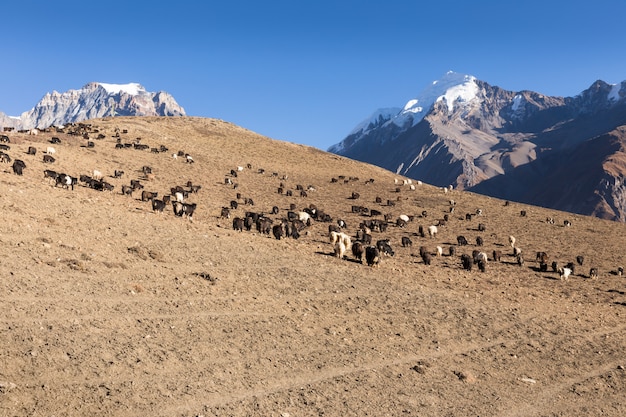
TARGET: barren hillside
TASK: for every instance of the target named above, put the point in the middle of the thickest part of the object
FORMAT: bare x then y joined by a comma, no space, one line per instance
110,308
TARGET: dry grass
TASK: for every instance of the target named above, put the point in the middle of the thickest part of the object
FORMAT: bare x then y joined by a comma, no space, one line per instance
112,309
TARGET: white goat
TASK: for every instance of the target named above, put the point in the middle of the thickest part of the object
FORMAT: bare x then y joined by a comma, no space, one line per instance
565,273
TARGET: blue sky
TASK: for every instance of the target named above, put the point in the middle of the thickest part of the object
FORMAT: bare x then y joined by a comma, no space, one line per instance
305,71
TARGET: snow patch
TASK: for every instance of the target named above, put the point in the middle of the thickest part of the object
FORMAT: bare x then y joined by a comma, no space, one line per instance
380,115
131,88
517,102
463,93
452,87
614,93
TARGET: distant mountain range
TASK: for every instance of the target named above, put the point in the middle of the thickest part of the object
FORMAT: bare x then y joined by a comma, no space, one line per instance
566,153
92,101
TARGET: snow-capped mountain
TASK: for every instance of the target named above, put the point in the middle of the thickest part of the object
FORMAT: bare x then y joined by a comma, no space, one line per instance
92,101
465,132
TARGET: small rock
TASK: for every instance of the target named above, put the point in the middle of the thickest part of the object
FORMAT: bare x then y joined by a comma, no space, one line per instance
528,380
6,386
465,376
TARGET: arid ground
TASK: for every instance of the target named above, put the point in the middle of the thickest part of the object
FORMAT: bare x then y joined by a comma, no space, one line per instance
111,309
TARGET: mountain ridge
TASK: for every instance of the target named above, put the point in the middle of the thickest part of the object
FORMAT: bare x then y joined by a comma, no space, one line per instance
94,100
474,132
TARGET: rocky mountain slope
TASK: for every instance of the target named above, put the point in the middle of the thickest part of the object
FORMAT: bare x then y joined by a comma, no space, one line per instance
92,101
465,132
110,308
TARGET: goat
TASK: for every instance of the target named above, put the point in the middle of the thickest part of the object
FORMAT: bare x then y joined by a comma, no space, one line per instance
384,246
278,231
358,250
372,256
158,205
127,190
238,224
542,257
148,195
466,262
18,166
564,273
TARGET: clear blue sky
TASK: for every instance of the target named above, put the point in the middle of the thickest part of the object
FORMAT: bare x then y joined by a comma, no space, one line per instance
305,71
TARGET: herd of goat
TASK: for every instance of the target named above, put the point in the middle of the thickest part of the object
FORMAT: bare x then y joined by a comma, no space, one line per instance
294,222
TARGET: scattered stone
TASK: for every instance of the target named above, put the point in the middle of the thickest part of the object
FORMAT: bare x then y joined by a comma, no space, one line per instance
528,380
6,386
207,276
465,376
421,367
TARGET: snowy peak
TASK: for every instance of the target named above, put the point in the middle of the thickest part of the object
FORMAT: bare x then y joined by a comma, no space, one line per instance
453,89
95,100
132,89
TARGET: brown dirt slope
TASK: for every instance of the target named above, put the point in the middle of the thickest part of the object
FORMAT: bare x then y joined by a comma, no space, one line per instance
110,309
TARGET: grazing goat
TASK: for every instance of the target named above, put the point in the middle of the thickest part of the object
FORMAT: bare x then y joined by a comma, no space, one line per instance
427,258
542,257
564,273
357,250
278,231
148,195
238,224
593,273
512,241
432,231
18,166
372,256
482,265
158,205
466,262
384,246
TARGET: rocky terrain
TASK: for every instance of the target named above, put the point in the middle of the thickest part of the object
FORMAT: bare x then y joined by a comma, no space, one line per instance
110,308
